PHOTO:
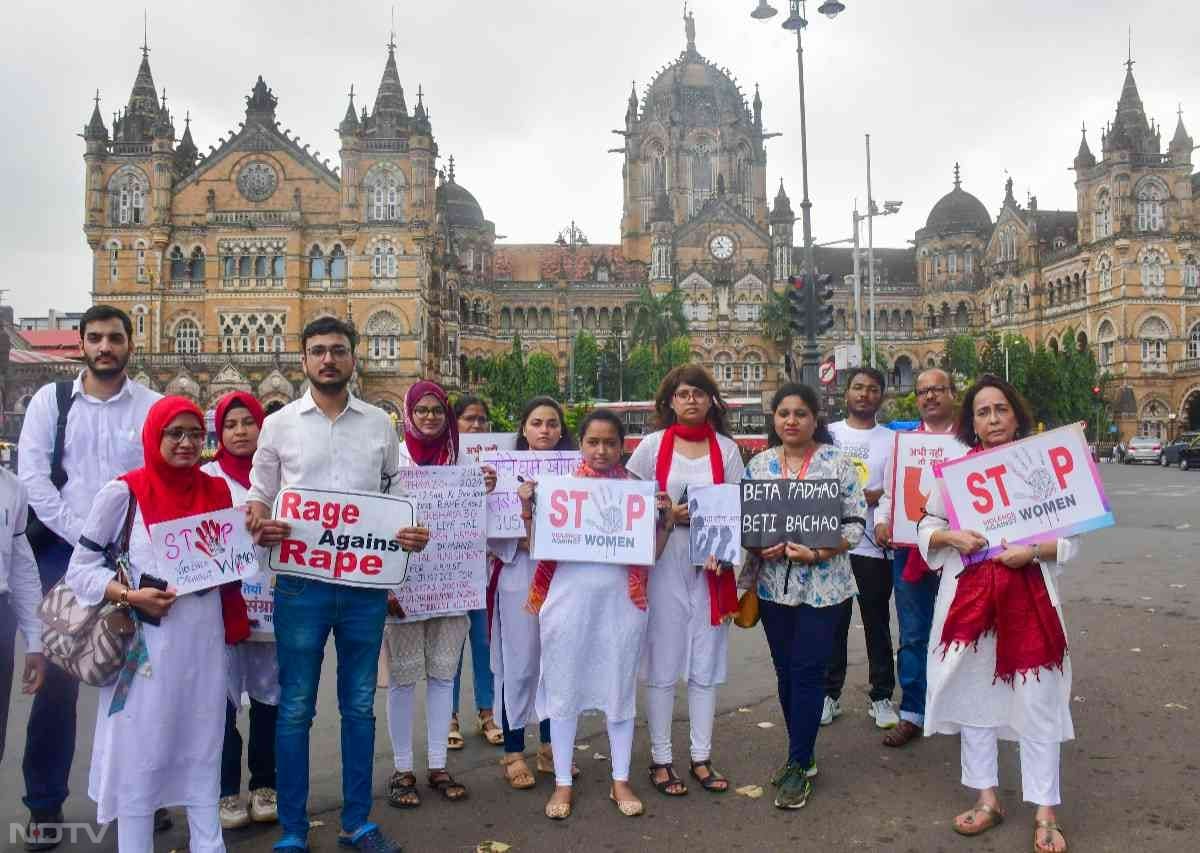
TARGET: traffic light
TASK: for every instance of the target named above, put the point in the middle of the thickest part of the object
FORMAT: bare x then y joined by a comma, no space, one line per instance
824,303
798,303
1095,392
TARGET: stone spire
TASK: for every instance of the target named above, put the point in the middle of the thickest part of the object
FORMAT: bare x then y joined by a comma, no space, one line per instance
782,209
390,108
185,152
1009,198
1181,143
350,125
757,108
1084,159
136,123
631,109
95,129
1130,127
689,29
957,176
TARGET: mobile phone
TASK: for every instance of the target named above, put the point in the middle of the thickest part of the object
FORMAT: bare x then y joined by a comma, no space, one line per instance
151,582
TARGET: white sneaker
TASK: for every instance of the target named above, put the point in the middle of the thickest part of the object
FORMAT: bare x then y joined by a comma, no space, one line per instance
262,806
831,710
885,715
233,812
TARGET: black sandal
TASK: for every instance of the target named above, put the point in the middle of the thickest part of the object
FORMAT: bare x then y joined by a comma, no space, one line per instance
713,781
402,791
672,779
442,782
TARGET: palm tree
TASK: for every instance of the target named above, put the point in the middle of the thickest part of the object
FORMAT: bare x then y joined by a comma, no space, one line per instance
657,320
776,320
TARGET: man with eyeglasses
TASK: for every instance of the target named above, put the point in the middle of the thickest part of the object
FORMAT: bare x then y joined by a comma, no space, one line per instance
332,440
916,595
100,416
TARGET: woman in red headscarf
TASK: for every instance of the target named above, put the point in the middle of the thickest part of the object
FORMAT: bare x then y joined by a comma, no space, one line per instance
253,667
159,727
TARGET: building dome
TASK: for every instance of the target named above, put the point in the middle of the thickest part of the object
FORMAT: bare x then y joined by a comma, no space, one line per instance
459,208
958,210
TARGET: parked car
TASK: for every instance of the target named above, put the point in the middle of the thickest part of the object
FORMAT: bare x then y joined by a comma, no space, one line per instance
1189,457
1170,454
1143,448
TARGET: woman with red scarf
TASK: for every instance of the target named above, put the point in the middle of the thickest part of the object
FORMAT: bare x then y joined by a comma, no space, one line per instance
998,666
688,633
159,728
253,667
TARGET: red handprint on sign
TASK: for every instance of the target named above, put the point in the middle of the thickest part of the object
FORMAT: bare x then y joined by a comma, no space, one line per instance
209,539
914,498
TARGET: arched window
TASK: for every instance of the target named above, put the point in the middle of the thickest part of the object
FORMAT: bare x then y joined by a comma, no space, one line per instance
385,196
752,369
1153,272
1193,350
1103,215
1052,345
952,263
1153,420
1008,302
547,320
881,320
260,268
931,318
139,257
1025,301
383,331
187,337
316,264
179,265
337,265
114,251
1107,337
477,313
908,322
1105,273
196,265
1191,274
1154,334
703,179
506,319
277,269
1150,197
128,198
383,261
723,364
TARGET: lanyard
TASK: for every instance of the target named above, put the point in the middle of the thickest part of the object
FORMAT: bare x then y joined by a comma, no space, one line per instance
803,468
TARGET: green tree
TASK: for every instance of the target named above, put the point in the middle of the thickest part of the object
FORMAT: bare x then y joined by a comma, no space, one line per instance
587,358
961,357
677,352
658,320
541,376
776,319
642,377
902,408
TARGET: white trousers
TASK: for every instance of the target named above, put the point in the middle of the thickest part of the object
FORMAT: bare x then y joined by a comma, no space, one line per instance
660,709
562,744
1040,765
135,833
439,694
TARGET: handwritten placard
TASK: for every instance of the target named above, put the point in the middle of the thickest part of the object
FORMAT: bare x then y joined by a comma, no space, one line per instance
203,551
260,607
1034,490
342,537
593,520
512,466
804,512
913,481
715,526
450,575
471,444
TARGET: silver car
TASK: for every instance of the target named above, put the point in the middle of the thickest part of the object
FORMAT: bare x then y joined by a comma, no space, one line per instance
1144,448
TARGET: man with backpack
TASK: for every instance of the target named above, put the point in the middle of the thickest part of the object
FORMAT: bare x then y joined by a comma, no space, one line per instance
77,435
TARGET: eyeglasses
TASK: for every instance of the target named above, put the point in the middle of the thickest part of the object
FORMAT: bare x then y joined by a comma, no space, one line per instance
338,352
933,389
428,412
178,435
478,420
691,396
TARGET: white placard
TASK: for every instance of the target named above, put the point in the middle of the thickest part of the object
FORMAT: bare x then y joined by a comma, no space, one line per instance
450,575
471,444
204,550
593,520
260,607
913,481
716,523
342,537
512,467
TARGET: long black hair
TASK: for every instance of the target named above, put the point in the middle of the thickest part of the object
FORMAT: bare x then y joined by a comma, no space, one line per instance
821,434
565,442
966,416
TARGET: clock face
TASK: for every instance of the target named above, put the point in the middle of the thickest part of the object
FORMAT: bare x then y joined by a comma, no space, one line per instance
721,247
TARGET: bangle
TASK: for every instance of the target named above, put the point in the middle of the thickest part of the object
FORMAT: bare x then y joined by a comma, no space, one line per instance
124,599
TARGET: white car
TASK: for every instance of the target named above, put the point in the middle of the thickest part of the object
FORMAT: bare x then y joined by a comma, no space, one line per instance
1144,448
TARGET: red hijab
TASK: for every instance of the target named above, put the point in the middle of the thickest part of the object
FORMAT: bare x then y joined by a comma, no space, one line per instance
237,467
440,449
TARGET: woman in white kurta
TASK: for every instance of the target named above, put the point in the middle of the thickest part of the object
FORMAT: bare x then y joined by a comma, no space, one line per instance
593,624
988,688
158,729
515,643
682,643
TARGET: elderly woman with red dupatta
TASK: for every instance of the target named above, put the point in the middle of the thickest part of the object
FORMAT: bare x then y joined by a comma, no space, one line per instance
159,727
998,667
688,633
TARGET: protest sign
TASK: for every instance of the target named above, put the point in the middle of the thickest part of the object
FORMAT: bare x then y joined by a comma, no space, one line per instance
716,520
596,521
342,537
803,512
450,575
1033,490
471,444
913,481
204,550
260,607
512,467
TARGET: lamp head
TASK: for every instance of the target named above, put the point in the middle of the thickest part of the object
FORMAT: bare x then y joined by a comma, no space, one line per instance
795,20
763,11
831,8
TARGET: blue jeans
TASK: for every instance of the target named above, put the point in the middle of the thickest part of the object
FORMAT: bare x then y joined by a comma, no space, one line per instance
305,612
481,663
914,613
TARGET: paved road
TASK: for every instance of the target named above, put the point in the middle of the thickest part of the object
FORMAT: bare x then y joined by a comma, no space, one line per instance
1129,781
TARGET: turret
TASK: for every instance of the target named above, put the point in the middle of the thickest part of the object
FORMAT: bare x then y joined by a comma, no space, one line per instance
185,152
94,132
782,223
260,104
350,125
1084,159
1181,144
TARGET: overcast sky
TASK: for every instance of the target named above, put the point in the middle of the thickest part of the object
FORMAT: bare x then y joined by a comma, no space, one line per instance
525,94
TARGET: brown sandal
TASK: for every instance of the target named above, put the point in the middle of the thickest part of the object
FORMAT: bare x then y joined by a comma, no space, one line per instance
545,761
490,730
441,781
1047,826
518,777
714,782
402,791
904,732
972,827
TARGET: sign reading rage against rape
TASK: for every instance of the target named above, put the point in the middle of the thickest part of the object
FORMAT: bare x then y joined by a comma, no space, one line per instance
913,481
593,520
1033,490
342,537
715,523
204,550
513,467
803,512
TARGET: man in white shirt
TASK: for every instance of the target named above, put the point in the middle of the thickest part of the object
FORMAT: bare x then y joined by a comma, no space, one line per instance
868,445
20,595
332,440
914,598
102,440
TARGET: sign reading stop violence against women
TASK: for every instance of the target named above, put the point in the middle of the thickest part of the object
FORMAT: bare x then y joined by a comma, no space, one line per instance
342,537
594,521
913,480
450,575
204,550
512,467
1033,490
471,444
803,512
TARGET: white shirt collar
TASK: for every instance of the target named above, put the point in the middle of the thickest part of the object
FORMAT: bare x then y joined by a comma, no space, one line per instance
78,389
308,404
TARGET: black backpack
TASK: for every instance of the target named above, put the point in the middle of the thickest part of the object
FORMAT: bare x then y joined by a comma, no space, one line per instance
39,535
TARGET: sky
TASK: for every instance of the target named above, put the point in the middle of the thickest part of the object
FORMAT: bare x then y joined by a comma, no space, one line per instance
525,95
